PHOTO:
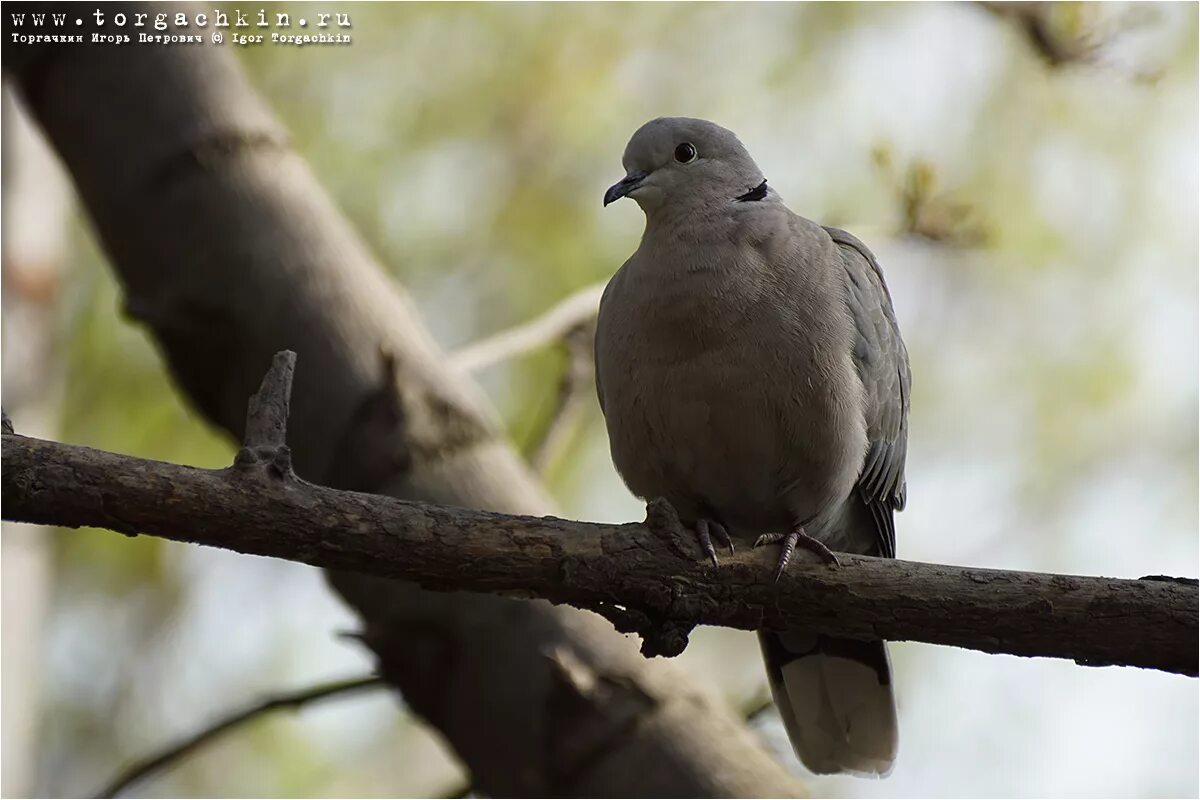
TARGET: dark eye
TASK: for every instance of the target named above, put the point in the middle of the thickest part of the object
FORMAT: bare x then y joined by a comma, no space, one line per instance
685,153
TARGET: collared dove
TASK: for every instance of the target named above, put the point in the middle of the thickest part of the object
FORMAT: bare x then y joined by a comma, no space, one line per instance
751,373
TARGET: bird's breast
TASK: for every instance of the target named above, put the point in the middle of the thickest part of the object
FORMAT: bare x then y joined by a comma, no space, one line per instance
725,406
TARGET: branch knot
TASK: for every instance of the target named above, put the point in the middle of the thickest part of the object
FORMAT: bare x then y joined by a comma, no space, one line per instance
661,636
663,521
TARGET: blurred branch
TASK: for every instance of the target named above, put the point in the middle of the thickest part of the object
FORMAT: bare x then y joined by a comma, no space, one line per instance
1076,33
1046,35
646,578
573,395
293,701
576,311
571,323
758,705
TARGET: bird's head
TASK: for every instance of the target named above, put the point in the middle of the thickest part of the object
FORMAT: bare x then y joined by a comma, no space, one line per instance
682,161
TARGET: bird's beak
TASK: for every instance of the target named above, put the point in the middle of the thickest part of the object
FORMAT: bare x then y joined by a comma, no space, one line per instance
624,186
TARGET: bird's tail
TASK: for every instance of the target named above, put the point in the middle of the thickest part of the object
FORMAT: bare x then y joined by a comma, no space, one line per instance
835,697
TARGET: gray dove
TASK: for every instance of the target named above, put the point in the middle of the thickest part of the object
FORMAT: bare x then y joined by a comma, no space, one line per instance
752,374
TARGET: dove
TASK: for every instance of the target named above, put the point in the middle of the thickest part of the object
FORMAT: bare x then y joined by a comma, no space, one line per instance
751,373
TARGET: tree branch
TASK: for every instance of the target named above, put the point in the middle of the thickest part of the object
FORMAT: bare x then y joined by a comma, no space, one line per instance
571,323
575,310
294,701
646,578
574,391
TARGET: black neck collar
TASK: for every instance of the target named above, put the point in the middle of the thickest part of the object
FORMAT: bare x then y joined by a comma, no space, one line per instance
755,194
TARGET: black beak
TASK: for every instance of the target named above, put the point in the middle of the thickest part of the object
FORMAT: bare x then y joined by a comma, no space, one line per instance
623,187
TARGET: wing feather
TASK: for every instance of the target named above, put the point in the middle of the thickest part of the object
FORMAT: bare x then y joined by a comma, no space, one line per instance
882,362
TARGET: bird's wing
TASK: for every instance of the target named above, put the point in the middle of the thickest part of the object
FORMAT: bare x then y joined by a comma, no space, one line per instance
882,363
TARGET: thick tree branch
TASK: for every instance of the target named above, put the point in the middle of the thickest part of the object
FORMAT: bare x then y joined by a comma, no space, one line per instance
646,578
292,701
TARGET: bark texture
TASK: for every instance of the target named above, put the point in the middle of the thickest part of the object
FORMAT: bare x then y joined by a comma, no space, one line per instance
649,578
229,251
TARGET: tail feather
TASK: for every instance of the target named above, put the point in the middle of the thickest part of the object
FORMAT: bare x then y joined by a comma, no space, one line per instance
835,697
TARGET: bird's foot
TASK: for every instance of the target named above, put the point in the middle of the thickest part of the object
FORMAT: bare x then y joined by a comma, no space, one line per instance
706,531
797,536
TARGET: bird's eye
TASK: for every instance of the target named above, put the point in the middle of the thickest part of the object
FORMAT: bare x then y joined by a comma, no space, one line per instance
685,153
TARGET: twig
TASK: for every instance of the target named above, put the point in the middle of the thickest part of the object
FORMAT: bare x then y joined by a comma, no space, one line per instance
1070,34
545,329
571,398
647,578
572,321
758,705
1034,20
139,770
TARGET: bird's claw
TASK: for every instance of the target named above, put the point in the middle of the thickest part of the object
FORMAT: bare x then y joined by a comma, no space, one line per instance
706,530
796,536
767,538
